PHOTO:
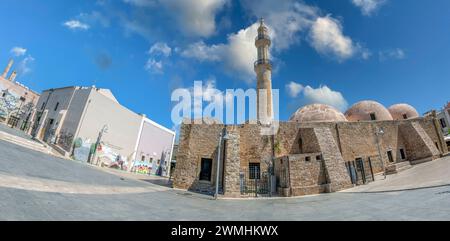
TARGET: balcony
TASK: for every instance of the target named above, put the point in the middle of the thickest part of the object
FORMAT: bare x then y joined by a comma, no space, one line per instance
263,61
262,36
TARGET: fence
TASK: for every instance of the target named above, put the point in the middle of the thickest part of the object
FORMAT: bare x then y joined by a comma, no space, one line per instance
255,183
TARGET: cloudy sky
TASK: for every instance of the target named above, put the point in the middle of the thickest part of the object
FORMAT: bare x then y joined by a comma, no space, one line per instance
333,52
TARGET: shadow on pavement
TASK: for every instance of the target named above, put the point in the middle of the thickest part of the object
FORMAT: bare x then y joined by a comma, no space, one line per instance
159,182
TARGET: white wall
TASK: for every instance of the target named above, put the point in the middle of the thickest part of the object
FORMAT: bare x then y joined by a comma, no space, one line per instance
153,142
123,124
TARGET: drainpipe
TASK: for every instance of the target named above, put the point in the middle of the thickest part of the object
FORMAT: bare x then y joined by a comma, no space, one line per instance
133,157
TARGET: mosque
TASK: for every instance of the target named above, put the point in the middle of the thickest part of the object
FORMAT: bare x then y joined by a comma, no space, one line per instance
319,150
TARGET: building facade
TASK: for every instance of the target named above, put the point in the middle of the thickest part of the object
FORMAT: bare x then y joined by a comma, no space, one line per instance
318,150
17,102
89,124
444,120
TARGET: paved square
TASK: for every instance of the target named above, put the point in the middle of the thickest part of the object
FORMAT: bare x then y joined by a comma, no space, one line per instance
36,186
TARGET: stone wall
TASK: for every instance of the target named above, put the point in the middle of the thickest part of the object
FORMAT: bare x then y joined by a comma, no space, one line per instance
300,176
196,142
254,147
337,174
232,163
337,142
419,144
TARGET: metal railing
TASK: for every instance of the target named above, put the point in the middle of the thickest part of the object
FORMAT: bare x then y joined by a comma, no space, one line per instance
254,183
263,61
262,36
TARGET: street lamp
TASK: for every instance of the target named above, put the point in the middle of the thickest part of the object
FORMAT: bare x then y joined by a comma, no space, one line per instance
223,137
380,132
99,139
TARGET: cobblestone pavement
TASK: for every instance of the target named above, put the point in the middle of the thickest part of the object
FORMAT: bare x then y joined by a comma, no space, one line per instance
36,186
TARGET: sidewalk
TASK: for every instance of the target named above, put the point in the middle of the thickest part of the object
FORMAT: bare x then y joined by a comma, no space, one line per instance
431,174
22,139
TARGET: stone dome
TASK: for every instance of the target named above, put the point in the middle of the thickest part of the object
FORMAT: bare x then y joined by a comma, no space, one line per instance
368,111
403,112
317,113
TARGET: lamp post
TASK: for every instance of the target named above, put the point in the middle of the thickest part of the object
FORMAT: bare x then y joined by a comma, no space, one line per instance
380,132
223,137
99,139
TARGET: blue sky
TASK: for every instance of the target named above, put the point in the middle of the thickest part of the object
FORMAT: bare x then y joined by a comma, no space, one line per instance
335,52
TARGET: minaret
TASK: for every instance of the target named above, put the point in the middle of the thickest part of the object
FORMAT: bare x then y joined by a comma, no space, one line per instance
13,76
263,69
5,73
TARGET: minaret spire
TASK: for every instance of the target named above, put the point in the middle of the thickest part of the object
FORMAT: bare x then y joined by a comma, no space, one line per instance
263,69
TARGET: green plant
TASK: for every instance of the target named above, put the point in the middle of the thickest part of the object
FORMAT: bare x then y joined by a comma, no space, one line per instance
277,147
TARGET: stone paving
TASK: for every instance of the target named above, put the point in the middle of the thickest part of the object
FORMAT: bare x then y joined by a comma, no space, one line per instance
36,186
430,174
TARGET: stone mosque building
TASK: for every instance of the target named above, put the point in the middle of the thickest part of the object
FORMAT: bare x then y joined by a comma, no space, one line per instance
318,150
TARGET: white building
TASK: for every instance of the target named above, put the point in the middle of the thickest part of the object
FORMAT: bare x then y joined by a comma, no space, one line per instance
17,102
75,119
444,120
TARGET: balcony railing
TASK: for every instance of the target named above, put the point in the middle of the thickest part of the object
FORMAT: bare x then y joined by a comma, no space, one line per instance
262,36
263,61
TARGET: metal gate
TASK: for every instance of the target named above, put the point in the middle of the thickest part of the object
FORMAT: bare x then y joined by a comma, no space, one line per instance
255,183
360,171
13,121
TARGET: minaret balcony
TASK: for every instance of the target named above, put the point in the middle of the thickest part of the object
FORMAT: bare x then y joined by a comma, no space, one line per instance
263,62
262,36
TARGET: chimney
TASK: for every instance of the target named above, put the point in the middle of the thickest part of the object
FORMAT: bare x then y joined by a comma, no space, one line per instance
13,76
5,73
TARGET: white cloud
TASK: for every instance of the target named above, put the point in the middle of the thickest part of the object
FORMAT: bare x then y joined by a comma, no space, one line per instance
196,17
325,95
160,49
94,18
203,52
76,25
154,66
294,89
24,66
368,7
237,55
18,51
366,54
327,38
289,19
200,99
141,3
322,95
286,19
392,54
159,53
193,17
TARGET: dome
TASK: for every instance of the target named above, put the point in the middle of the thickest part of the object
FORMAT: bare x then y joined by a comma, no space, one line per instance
368,111
317,113
403,112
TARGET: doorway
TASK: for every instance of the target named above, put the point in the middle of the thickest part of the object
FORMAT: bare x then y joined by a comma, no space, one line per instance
390,156
205,169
